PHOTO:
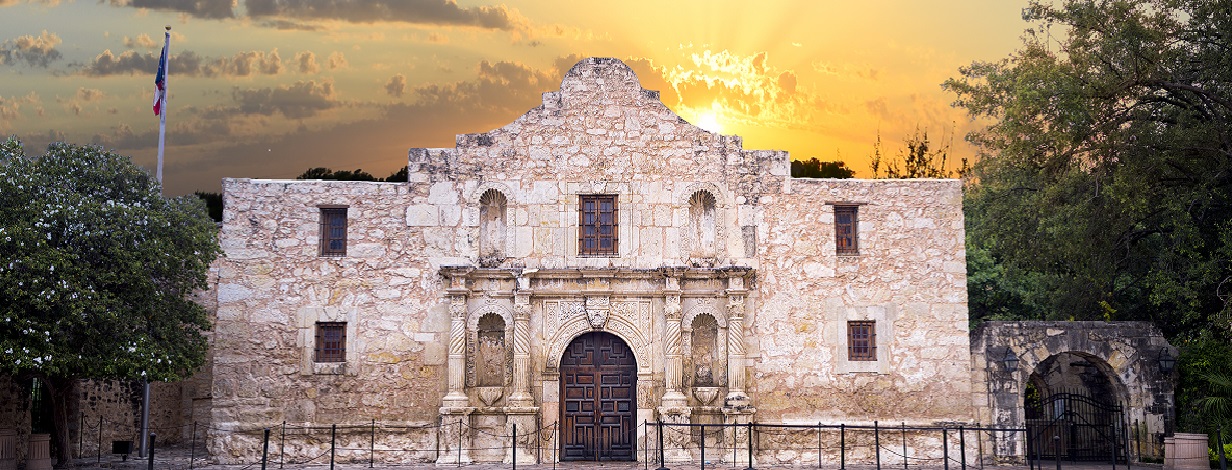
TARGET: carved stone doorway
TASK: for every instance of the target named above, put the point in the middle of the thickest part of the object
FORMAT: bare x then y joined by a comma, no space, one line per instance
598,401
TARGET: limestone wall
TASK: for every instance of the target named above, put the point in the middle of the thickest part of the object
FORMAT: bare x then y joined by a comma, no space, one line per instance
910,277
762,247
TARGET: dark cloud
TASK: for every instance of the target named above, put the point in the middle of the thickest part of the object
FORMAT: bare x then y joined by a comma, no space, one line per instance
296,101
208,9
242,64
434,12
396,85
290,25
89,94
35,51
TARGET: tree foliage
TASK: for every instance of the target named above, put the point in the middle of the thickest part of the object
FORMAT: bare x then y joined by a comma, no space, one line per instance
920,159
322,173
814,168
97,271
1104,182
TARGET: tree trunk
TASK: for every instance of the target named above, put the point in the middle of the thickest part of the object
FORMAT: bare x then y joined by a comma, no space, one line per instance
61,391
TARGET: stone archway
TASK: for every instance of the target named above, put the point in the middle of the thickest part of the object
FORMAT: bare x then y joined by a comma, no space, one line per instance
1124,353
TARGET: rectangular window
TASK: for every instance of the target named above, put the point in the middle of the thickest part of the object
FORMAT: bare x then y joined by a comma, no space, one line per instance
861,341
845,235
333,231
330,342
598,233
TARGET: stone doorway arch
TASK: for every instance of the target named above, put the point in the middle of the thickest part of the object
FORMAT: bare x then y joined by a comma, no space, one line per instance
1080,354
598,398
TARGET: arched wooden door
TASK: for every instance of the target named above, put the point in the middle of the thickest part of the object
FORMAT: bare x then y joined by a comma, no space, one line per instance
598,384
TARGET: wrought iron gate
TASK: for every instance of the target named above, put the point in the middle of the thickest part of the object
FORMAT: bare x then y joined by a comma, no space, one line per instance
1075,427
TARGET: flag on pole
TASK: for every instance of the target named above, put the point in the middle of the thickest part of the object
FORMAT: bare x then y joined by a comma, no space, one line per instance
160,80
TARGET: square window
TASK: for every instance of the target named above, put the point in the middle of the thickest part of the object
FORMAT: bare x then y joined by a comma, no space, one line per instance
847,241
861,341
330,342
598,230
333,231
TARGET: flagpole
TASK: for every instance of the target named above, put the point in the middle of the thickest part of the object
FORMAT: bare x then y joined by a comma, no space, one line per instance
162,116
162,140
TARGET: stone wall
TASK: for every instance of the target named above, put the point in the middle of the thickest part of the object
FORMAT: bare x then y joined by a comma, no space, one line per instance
489,229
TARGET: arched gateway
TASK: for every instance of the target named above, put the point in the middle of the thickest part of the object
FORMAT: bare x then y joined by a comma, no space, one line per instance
598,384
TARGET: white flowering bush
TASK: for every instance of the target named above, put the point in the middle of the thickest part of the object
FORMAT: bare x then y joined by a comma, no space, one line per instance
97,268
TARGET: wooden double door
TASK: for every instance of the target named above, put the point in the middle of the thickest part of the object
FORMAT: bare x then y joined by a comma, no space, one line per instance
598,399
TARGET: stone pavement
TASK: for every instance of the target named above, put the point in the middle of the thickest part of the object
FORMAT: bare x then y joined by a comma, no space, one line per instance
178,459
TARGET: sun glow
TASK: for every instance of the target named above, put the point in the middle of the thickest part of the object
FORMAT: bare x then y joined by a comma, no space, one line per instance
710,121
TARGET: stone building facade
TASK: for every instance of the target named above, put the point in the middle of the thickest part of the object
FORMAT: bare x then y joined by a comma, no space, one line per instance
594,265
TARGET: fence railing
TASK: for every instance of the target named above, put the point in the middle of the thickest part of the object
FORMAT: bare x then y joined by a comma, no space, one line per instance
659,445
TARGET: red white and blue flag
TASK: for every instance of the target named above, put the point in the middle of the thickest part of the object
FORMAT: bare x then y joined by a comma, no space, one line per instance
160,81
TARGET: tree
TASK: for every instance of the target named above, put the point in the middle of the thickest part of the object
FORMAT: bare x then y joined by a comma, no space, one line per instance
321,173
1105,179
920,160
213,204
1106,176
97,269
814,168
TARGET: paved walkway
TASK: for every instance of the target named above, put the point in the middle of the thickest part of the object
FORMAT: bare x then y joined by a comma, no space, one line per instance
178,459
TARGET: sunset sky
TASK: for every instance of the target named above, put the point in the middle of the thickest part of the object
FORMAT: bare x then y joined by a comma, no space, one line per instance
269,88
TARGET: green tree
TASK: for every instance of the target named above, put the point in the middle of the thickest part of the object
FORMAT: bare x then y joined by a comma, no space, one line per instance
814,168
97,272
1104,181
213,204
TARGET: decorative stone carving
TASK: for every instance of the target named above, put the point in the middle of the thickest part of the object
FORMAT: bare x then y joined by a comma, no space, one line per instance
597,309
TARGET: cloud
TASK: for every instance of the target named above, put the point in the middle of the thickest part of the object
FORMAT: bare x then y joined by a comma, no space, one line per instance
10,109
37,51
431,12
307,62
142,41
337,61
89,94
396,85
242,64
290,25
297,101
207,9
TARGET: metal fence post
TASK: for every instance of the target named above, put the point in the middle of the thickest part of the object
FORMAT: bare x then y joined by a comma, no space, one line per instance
192,450
1056,444
81,436
151,443
904,428
945,447
515,446
282,445
99,458
962,448
264,448
662,464
1223,460
750,441
372,445
819,445
877,443
702,444
333,439
842,446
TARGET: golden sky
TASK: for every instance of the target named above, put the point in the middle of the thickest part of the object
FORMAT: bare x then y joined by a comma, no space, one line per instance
269,88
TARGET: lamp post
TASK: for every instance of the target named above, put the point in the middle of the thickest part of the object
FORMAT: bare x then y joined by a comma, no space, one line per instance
1166,361
1009,361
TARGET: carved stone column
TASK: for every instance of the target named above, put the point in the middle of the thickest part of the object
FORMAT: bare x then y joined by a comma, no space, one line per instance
521,396
457,293
736,397
673,368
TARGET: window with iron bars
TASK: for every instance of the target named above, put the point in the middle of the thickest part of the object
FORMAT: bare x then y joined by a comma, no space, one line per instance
598,230
333,231
862,341
330,342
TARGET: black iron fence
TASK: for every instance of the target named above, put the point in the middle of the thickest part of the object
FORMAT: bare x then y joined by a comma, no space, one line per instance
660,445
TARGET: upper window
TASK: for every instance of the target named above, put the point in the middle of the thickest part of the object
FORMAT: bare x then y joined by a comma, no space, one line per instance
846,237
333,231
598,233
861,341
330,342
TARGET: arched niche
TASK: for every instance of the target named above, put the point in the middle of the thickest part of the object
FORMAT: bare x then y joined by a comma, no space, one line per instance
493,228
